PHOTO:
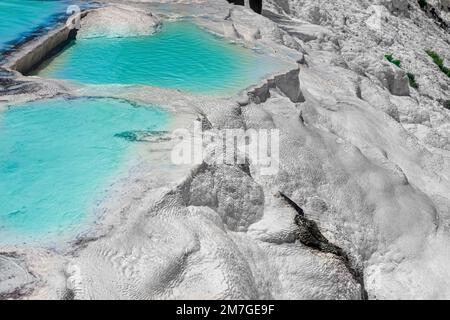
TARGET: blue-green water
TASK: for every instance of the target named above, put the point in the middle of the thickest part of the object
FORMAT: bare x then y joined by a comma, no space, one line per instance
57,159
181,56
20,17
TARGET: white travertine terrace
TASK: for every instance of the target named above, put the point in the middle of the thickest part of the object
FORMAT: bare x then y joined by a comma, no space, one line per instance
362,153
114,21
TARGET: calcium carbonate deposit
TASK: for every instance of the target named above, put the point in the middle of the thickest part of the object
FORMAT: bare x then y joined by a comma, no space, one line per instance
358,208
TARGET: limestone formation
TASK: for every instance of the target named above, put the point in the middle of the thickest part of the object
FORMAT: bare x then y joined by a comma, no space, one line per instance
360,205
118,21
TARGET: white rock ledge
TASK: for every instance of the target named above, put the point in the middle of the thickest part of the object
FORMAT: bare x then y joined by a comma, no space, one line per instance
363,156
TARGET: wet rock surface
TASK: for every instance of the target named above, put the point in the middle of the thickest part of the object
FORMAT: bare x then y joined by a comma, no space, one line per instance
10,86
15,280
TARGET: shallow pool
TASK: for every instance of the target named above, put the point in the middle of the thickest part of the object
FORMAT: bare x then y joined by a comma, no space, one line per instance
181,56
18,18
57,159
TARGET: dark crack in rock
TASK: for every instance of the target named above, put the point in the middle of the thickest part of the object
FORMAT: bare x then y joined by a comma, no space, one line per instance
10,86
308,233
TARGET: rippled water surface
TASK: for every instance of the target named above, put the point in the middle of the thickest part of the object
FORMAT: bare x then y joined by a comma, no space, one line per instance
20,17
181,56
57,159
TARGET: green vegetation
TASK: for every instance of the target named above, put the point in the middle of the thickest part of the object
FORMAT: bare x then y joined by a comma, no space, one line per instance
438,61
447,104
391,59
423,4
412,80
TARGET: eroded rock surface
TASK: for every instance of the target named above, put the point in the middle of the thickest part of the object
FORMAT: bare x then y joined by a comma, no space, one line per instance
365,106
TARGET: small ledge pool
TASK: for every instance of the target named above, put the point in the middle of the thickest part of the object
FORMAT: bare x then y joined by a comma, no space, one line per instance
181,56
57,159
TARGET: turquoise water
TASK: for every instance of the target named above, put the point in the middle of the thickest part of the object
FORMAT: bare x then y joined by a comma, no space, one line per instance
57,159
181,56
20,17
